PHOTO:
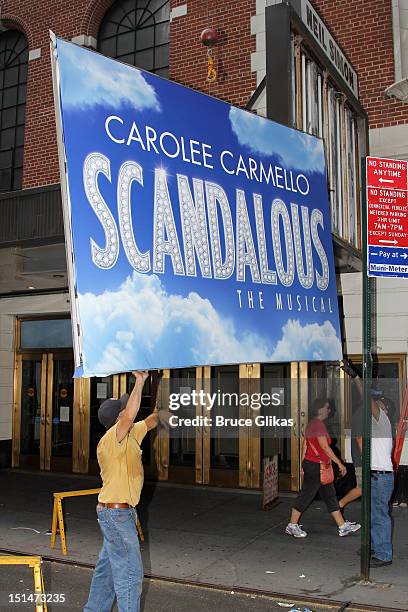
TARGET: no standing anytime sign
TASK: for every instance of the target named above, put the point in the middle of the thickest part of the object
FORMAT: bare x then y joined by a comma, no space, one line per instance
387,225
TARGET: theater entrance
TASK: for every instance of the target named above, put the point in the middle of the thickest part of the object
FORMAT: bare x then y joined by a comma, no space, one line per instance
55,422
43,410
46,397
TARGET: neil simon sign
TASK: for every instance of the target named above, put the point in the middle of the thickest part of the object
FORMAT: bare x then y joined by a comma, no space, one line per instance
197,233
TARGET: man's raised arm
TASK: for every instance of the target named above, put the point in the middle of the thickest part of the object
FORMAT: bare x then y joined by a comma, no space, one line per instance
348,368
128,415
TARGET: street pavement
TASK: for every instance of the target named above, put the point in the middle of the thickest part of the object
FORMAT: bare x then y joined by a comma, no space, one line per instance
158,596
210,536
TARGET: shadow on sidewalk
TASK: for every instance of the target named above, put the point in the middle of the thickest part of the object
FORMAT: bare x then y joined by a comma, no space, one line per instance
208,535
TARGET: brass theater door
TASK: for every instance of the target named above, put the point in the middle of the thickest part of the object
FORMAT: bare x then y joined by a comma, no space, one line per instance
200,454
44,399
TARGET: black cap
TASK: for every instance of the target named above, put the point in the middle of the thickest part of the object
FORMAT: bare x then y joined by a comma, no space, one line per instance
109,410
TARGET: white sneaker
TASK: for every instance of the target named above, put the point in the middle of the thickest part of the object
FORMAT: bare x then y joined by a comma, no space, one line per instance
348,528
295,530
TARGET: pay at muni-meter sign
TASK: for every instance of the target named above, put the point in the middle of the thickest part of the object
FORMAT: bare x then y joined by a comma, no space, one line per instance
197,233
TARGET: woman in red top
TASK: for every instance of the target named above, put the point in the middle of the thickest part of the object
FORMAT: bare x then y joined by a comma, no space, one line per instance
316,450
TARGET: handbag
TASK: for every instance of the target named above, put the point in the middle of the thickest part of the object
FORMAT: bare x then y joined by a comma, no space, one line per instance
326,470
326,473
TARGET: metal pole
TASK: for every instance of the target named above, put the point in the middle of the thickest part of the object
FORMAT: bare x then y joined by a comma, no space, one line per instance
367,374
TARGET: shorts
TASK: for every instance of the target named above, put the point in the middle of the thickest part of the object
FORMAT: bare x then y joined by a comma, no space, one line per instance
359,476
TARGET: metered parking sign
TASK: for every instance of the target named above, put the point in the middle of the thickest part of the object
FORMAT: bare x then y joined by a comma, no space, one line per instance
387,223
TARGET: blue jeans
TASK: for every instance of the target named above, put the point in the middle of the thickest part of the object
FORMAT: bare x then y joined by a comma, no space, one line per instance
382,486
119,570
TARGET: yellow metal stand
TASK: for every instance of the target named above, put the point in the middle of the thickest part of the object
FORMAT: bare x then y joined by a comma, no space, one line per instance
139,530
35,564
58,516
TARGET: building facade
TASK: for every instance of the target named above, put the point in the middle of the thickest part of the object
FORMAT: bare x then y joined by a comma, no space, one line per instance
321,67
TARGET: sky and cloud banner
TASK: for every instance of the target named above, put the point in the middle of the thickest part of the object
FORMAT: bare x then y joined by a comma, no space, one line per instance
197,233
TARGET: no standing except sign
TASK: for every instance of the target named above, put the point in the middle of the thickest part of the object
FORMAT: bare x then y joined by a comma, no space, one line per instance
387,224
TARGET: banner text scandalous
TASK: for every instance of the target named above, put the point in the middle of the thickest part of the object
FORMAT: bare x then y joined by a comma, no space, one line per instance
222,245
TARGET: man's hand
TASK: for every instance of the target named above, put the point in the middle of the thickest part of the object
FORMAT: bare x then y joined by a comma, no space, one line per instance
342,469
141,376
348,368
164,416
156,417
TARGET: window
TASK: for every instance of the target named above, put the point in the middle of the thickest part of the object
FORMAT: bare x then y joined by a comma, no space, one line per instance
13,82
137,32
321,110
45,333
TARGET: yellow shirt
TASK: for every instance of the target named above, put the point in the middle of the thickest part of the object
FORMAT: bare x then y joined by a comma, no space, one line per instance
121,465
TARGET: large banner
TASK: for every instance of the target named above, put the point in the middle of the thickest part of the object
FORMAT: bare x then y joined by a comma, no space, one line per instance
197,233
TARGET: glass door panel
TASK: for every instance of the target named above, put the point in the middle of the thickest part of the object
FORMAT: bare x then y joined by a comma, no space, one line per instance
60,403
182,462
101,389
275,379
224,450
30,411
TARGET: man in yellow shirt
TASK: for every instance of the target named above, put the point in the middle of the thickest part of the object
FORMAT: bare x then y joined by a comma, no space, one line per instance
119,570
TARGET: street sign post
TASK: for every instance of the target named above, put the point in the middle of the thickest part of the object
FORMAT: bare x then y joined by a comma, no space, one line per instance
387,217
368,294
385,253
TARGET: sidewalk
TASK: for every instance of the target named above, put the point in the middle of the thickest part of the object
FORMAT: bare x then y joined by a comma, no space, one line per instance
209,535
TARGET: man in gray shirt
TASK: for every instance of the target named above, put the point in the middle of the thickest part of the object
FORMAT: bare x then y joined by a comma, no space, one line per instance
382,474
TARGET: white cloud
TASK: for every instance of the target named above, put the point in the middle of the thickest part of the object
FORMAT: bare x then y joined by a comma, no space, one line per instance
89,79
264,137
141,324
318,342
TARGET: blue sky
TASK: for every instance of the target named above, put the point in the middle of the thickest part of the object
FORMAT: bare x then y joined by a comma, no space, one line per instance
130,320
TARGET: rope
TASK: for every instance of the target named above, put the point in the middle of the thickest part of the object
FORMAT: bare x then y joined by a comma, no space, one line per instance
212,73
